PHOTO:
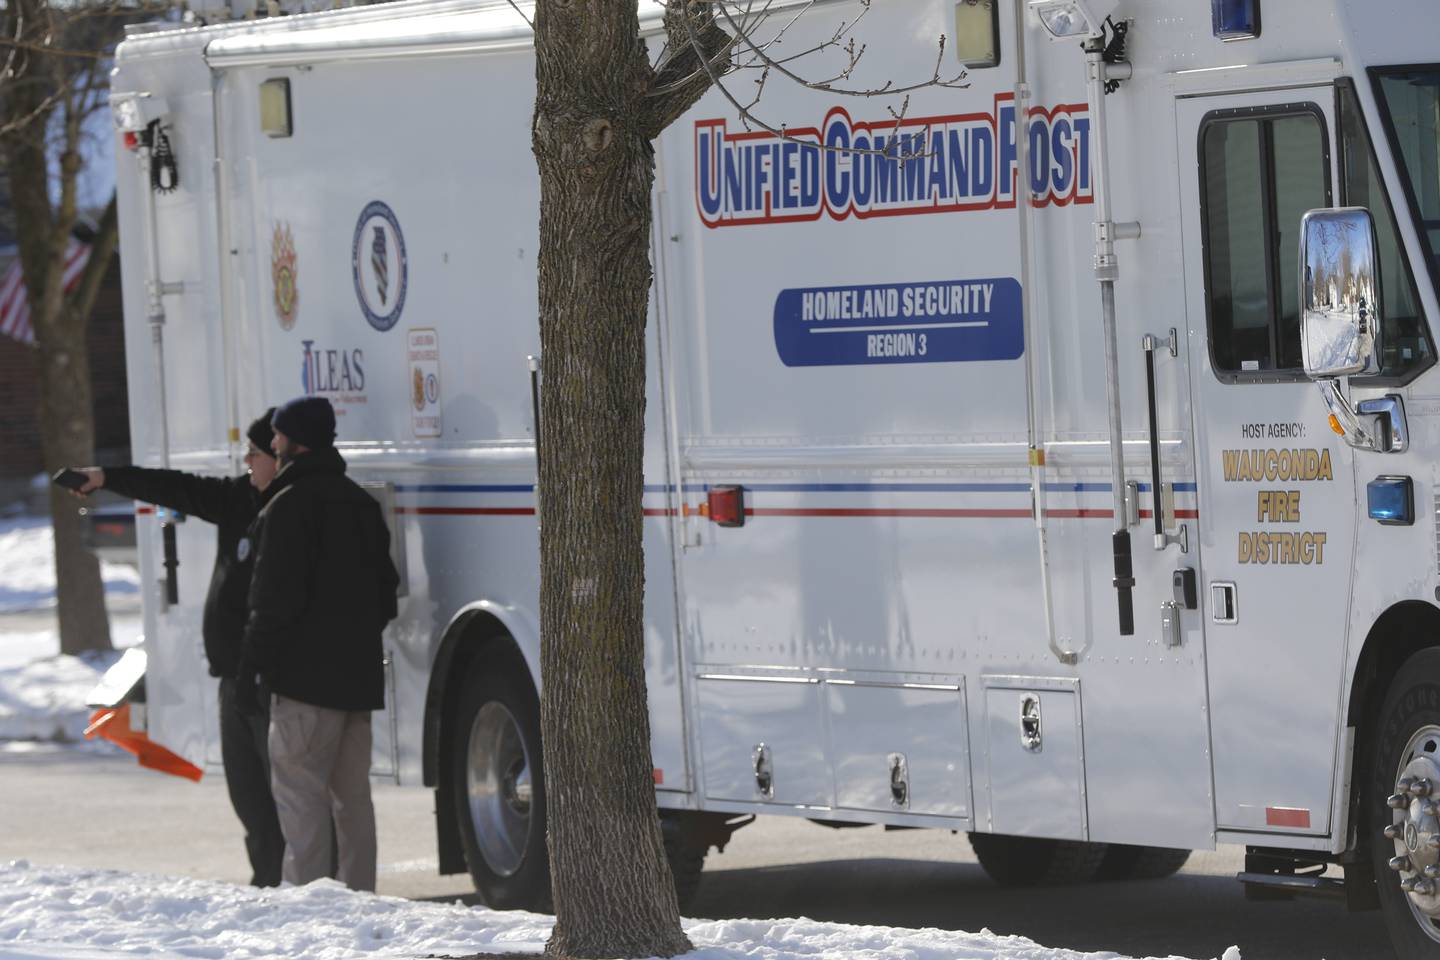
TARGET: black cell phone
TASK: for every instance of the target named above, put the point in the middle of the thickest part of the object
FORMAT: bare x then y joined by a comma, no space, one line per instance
70,479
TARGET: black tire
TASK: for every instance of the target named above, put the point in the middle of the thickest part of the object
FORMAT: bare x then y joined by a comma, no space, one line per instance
686,854
512,873
1034,861
1411,705
1125,861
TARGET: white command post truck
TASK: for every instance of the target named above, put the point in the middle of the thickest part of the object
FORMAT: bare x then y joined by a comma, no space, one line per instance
1069,481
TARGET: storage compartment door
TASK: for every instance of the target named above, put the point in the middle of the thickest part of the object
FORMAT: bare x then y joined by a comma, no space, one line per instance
900,747
772,723
1034,751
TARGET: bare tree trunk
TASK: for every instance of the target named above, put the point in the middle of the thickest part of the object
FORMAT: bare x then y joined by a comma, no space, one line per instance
67,430
66,404
614,896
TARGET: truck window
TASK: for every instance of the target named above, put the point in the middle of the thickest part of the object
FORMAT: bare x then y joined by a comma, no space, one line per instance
1411,106
1260,171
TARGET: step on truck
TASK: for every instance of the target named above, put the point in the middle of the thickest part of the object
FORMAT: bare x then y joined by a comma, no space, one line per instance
1054,460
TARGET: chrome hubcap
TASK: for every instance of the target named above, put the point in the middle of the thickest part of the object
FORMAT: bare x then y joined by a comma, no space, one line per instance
1415,827
499,787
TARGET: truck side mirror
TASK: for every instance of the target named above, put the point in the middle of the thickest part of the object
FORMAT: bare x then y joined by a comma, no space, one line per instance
1340,324
1340,327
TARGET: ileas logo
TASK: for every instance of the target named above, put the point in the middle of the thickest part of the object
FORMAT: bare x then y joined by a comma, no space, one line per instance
339,374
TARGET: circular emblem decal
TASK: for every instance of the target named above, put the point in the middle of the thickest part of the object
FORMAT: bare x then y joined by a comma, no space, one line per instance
242,549
283,275
379,265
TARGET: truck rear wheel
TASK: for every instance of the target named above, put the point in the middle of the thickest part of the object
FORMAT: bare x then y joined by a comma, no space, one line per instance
499,781
1035,861
1404,807
1125,861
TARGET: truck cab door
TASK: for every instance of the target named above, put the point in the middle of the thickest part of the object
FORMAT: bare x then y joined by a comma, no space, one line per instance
1276,490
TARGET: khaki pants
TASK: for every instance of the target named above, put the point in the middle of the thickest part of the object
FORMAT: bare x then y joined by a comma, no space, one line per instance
319,768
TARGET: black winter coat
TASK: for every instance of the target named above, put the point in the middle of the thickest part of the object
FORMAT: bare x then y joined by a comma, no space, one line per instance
323,587
230,503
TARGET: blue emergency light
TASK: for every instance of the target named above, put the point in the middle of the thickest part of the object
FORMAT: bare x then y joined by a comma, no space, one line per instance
1235,19
1391,500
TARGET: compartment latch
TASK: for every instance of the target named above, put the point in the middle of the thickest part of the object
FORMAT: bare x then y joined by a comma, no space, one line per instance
764,771
1031,735
899,781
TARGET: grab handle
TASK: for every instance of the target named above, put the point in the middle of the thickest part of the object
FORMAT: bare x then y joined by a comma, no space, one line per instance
1150,343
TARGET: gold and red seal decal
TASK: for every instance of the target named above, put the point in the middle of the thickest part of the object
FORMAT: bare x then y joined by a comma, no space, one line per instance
283,274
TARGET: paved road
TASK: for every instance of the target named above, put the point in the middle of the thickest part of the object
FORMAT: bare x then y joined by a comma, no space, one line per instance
100,810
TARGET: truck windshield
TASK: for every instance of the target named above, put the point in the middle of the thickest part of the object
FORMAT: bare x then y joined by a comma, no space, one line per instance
1410,97
1407,348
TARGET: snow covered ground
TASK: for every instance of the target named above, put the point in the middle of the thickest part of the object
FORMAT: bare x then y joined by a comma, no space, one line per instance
42,694
27,567
64,913
75,913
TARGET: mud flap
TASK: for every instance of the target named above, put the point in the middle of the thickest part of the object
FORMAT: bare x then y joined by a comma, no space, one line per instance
113,724
122,685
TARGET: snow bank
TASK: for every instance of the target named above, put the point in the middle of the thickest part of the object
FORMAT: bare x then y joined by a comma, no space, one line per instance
45,699
27,567
64,913
42,693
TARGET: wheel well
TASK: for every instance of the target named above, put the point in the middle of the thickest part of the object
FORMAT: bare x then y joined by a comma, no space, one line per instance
1400,631
474,635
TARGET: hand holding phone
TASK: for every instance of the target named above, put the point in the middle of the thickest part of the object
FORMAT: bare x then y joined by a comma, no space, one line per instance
71,479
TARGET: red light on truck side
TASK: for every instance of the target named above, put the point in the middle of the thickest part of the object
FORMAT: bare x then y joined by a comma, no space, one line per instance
1295,817
727,506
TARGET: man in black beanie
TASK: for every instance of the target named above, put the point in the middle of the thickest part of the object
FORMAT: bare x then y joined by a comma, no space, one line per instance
322,591
230,503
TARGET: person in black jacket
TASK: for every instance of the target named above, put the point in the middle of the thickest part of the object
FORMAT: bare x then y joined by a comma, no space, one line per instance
230,503
322,591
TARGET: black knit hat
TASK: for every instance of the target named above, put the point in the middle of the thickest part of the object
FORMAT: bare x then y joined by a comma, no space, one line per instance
260,432
309,421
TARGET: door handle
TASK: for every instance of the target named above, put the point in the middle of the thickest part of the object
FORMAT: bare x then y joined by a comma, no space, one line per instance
1223,607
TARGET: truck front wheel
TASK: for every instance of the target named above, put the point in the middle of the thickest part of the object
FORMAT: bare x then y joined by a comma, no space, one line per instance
499,781
1404,807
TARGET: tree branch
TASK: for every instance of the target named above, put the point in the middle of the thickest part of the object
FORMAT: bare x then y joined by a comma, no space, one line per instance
101,250
759,57
54,51
41,110
528,21
48,302
701,51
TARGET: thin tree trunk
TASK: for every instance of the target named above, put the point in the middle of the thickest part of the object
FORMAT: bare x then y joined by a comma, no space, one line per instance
614,896
68,439
65,403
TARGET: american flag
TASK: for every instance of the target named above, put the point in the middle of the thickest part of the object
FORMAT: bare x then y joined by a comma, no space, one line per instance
15,306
